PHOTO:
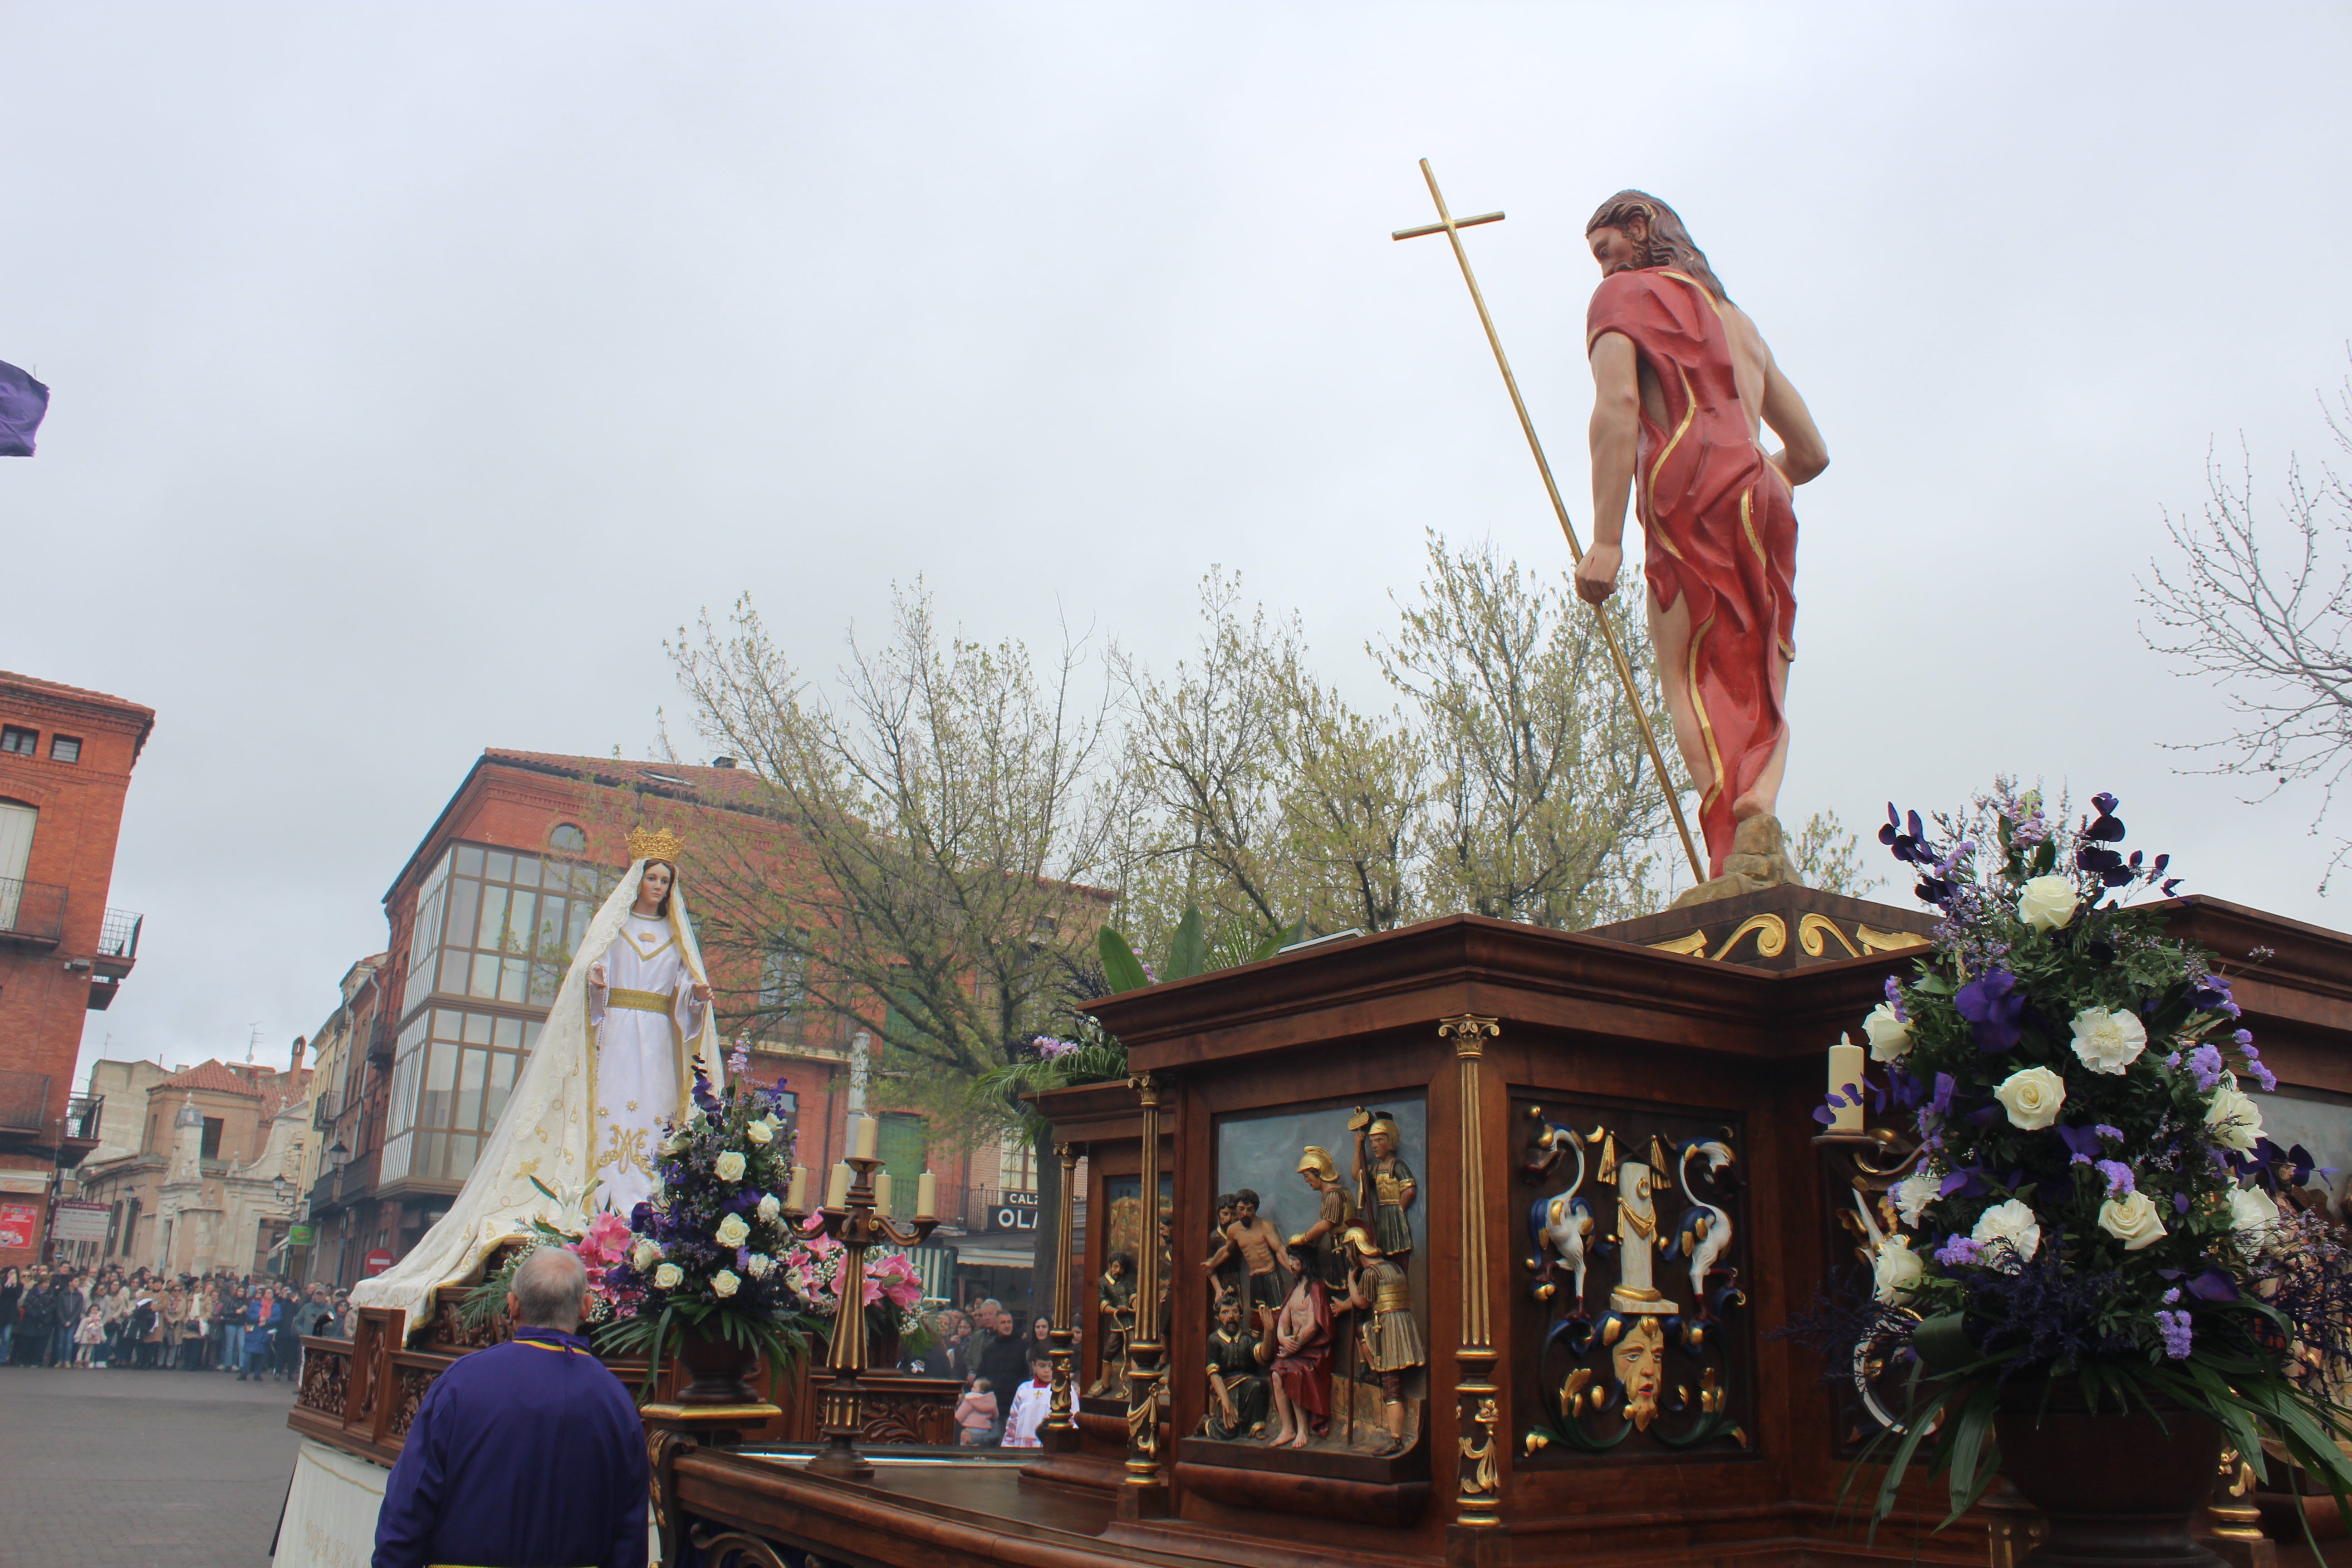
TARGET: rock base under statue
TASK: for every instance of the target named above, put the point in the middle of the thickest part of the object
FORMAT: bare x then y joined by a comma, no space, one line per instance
1759,859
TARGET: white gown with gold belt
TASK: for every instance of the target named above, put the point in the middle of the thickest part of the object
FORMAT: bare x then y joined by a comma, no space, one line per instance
638,1023
602,1074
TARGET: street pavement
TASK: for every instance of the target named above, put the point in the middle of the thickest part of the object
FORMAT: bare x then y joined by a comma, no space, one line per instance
119,1469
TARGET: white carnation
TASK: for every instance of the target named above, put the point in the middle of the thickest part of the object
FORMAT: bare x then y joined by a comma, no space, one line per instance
2046,903
1914,1193
760,1264
1895,1270
1890,1036
2108,1042
723,1283
769,1208
732,1231
2013,1223
728,1167
2032,1095
2233,1119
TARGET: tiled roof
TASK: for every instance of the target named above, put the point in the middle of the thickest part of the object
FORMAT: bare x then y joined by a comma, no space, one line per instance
213,1074
738,782
78,693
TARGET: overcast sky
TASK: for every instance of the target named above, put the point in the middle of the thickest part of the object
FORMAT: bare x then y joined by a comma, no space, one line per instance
416,369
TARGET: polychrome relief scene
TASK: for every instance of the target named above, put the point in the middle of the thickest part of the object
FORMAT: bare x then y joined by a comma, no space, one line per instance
1319,1300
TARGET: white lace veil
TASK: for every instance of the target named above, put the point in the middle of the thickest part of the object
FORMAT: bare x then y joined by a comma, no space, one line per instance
546,1131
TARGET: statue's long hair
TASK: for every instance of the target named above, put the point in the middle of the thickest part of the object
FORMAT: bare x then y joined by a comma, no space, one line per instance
1670,243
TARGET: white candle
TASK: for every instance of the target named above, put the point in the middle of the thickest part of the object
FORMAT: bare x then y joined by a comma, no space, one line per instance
836,1189
869,1133
1845,1079
796,1196
926,1197
882,1191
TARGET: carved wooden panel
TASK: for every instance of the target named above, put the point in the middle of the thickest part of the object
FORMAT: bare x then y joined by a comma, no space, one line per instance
408,1386
1630,1333
326,1378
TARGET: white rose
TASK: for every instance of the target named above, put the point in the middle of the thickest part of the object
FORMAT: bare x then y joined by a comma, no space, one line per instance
2047,902
1914,1193
769,1208
2108,1042
645,1255
2032,1095
759,1131
668,1277
2013,1223
760,1264
723,1283
2251,1212
1890,1036
729,1167
1895,1270
732,1231
2234,1121
2131,1219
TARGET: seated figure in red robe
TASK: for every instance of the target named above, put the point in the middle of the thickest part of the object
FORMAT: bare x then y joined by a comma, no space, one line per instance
1682,387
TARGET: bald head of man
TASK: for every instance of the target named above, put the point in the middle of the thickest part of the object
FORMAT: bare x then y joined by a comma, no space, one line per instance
550,1292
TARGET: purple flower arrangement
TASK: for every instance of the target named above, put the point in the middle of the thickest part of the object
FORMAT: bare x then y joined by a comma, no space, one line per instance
2094,1197
707,1253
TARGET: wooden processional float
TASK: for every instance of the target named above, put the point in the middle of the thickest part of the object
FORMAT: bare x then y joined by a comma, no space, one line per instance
1529,1205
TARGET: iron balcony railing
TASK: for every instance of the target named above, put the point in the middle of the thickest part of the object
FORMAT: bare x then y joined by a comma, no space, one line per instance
23,1102
119,937
34,912
325,1108
82,1114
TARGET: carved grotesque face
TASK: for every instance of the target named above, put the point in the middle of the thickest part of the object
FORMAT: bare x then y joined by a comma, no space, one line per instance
1638,1358
1620,250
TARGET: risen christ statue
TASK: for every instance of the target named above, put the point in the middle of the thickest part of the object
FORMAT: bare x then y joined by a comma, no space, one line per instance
1683,386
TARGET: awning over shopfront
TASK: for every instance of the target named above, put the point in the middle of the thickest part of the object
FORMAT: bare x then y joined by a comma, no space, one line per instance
994,1254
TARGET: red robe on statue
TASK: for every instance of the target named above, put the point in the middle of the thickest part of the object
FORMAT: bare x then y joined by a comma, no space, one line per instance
1305,1374
1721,527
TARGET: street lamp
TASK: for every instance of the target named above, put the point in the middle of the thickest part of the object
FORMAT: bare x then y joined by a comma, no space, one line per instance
338,1156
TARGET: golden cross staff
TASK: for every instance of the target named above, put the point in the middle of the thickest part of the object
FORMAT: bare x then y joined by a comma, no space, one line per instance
1451,228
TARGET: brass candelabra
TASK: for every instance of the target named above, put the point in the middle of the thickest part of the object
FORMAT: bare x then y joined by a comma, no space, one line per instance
857,1226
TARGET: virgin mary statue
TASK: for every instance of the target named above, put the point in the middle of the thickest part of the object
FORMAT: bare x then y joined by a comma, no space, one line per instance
615,1057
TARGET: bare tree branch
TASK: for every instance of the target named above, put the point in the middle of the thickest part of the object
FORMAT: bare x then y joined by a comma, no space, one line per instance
2269,631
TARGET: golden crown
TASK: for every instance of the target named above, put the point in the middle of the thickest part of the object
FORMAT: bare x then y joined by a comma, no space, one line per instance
659,843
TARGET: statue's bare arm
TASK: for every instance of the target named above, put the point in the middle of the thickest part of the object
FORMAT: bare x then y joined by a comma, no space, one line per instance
1616,434
1803,454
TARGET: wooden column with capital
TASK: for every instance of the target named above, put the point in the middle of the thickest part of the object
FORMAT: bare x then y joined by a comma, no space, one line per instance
1476,1537
1145,1493
1061,1431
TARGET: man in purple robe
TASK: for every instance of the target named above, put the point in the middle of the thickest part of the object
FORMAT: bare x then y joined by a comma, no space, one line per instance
525,1454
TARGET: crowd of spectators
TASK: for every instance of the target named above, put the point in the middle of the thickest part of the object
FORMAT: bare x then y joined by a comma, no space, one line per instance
1007,1376
249,1325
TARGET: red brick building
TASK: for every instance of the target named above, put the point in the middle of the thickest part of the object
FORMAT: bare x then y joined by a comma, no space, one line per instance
66,757
483,918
